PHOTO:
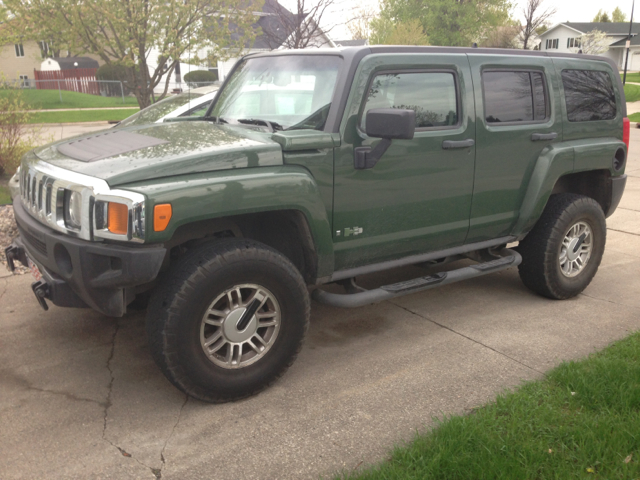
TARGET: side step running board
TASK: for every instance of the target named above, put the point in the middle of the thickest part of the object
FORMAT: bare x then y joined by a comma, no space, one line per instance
509,258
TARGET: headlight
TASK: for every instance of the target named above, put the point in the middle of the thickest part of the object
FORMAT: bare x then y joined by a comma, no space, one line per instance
73,209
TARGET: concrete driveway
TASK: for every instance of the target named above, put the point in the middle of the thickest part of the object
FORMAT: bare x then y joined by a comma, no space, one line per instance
81,398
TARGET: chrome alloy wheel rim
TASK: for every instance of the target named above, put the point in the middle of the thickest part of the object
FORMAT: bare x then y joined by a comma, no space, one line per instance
240,326
576,249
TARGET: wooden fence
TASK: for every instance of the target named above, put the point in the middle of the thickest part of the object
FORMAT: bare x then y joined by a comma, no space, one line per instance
81,80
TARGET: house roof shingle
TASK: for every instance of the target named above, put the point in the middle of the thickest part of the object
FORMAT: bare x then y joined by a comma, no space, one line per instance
67,63
609,28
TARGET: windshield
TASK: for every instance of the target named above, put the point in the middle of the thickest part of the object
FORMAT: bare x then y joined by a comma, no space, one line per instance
289,91
158,110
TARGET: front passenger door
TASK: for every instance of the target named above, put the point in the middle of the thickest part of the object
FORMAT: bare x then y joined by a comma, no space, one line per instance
417,198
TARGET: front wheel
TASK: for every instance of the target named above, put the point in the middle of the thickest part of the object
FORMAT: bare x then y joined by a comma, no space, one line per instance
229,320
561,254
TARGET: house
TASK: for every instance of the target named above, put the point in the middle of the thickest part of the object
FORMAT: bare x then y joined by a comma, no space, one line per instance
19,60
565,37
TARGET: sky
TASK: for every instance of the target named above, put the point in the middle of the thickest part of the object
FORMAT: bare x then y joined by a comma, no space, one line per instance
567,10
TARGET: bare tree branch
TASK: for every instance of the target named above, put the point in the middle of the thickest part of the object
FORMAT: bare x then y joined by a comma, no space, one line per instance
534,19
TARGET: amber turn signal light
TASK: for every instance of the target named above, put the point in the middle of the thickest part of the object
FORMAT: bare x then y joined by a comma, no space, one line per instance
118,218
161,216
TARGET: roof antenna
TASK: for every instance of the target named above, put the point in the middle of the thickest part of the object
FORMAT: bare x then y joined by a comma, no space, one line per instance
475,45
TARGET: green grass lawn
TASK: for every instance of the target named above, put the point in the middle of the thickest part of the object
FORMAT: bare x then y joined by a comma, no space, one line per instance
632,77
632,92
83,116
5,197
582,421
634,117
50,99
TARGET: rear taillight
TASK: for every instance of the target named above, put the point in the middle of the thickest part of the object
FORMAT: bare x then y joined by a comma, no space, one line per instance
626,132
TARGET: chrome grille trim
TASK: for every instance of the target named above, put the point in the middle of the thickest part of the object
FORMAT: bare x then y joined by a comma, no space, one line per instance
42,190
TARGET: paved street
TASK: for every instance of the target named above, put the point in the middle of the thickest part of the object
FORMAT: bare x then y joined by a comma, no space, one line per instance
50,132
81,397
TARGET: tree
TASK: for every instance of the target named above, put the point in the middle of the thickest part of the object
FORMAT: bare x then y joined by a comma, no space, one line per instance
447,22
360,25
617,16
125,32
602,17
502,37
407,33
301,27
534,18
594,42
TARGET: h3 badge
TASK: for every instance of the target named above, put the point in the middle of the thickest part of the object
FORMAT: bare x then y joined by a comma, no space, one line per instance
349,231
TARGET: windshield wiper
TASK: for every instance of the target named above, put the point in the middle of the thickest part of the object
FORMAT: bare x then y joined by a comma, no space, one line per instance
273,126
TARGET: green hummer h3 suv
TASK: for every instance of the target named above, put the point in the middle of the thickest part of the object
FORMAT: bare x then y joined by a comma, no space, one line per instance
316,167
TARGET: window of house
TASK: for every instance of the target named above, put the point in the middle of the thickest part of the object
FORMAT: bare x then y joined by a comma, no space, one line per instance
514,96
45,48
589,95
551,43
19,50
24,81
432,95
573,42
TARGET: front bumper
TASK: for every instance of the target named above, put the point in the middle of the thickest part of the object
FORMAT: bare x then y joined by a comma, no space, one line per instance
81,273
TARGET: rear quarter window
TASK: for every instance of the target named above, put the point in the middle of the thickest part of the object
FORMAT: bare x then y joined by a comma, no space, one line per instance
589,95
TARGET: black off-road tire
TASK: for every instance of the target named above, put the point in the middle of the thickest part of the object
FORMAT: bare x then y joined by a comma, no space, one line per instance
540,268
177,307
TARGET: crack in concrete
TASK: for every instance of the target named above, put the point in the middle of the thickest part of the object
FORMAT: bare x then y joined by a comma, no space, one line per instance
630,209
468,338
107,404
622,231
16,379
6,286
158,472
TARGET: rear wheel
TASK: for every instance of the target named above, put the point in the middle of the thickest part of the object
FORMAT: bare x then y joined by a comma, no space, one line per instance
561,254
229,320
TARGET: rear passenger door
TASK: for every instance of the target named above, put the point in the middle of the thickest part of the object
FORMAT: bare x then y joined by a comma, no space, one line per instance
518,116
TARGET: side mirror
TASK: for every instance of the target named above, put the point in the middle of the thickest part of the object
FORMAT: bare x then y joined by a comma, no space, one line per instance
391,123
387,124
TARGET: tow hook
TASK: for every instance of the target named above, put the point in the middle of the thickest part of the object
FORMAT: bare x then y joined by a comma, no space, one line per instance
41,290
12,253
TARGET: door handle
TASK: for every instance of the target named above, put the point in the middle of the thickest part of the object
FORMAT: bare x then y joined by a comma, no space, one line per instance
536,137
450,144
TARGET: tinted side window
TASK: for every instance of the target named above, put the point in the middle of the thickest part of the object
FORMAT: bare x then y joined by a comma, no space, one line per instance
589,95
514,97
432,95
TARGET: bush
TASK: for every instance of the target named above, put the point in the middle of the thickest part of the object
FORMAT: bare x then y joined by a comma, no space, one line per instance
16,137
113,73
200,78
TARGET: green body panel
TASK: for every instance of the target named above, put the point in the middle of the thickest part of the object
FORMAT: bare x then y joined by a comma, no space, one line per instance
506,156
192,147
556,161
418,196
312,150
234,192
301,140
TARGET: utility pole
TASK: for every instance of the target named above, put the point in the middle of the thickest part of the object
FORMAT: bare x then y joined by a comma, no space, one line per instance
626,62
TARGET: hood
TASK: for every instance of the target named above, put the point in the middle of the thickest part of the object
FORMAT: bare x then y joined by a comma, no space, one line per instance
136,153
